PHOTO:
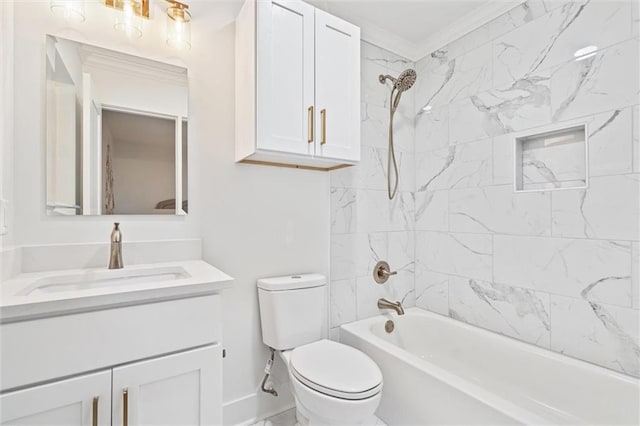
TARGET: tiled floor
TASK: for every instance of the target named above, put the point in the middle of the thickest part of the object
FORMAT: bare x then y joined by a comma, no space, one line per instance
288,418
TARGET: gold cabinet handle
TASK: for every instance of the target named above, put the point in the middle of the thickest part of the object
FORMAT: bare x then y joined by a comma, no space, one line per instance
125,407
94,412
323,117
310,111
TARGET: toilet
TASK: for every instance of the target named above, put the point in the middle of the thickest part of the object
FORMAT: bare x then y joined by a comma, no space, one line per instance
332,383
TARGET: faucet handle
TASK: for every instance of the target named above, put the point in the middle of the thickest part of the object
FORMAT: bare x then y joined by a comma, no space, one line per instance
382,272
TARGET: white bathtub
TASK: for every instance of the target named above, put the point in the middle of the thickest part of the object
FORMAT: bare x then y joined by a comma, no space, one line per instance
441,371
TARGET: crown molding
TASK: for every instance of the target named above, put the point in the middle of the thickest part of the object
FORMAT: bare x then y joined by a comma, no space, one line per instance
458,28
467,23
103,59
371,33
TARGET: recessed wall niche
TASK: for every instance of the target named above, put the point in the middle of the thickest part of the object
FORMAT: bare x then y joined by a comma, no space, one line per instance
550,160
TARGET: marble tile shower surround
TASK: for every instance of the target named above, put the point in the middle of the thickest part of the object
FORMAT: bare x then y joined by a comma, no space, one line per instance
558,268
365,225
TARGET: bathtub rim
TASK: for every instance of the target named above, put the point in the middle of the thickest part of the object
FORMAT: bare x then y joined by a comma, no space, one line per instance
361,329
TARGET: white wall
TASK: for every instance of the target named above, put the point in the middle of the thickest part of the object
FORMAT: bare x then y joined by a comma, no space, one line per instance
144,175
255,221
6,117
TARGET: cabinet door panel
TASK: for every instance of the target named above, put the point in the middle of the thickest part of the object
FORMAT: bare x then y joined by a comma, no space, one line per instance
337,88
285,75
65,403
181,389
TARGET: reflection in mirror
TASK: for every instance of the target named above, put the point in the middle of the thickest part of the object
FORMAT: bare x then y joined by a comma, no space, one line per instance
116,132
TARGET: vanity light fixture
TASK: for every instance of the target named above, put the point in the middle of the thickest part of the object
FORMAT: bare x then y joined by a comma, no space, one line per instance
71,10
178,25
585,52
129,21
130,16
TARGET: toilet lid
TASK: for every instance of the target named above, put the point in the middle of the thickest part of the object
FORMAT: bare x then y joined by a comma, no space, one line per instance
337,370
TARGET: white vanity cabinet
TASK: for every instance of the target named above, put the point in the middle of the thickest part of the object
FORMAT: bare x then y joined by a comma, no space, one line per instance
158,362
297,86
80,401
178,390
175,390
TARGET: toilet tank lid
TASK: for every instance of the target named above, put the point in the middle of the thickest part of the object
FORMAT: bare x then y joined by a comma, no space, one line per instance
292,282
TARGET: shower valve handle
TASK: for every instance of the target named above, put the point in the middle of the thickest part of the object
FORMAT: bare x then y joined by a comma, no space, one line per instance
387,273
382,272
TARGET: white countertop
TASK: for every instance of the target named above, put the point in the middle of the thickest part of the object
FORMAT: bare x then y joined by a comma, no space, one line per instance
18,303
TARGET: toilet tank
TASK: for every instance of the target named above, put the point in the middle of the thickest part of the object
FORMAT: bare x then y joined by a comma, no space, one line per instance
292,310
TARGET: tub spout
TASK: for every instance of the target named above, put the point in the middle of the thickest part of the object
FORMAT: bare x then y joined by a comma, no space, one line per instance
385,304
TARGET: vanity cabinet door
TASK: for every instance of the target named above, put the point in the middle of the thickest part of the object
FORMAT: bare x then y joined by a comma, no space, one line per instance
285,76
81,401
181,389
337,88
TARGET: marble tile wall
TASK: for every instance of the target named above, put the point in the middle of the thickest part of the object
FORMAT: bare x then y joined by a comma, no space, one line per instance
558,269
365,226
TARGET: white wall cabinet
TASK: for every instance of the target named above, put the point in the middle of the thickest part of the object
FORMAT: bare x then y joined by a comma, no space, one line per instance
297,86
337,87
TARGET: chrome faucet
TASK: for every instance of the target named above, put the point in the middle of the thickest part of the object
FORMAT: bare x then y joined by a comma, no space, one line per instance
115,253
385,304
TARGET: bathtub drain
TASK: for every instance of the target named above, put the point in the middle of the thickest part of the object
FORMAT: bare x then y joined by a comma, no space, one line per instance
389,326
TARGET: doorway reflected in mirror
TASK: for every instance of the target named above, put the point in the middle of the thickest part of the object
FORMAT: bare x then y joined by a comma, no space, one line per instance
117,133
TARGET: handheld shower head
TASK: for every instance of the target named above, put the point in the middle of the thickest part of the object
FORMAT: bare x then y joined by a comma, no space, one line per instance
404,82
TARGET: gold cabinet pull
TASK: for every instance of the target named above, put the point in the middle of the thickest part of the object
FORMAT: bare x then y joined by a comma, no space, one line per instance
323,117
125,407
94,412
310,111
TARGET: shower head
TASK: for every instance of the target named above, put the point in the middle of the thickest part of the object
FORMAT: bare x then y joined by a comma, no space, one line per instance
404,82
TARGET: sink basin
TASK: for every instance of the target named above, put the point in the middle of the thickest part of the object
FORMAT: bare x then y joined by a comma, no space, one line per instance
94,279
36,295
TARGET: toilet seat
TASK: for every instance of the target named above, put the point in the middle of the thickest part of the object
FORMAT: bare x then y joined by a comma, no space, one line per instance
336,370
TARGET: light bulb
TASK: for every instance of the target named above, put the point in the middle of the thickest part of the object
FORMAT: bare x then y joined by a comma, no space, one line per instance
70,10
179,26
129,20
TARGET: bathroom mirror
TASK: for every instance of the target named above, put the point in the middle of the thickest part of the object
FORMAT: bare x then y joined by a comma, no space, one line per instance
116,138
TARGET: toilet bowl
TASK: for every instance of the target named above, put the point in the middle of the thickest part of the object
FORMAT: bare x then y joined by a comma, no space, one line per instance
332,383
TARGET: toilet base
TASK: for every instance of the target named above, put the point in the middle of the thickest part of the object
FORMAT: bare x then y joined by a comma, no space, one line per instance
306,417
311,405
301,419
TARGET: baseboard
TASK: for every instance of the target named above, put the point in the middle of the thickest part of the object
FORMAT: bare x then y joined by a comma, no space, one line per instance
251,408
